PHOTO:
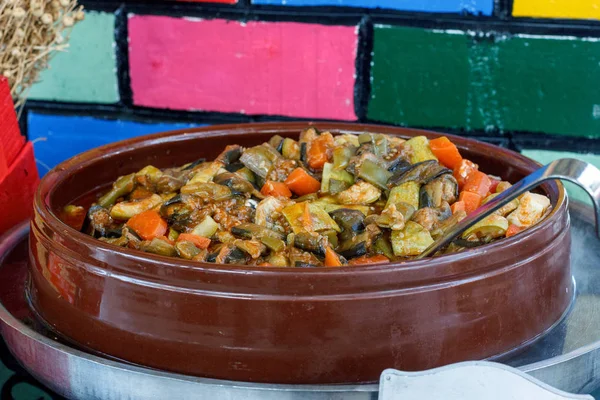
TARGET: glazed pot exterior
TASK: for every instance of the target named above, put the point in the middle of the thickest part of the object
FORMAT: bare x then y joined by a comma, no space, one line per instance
286,325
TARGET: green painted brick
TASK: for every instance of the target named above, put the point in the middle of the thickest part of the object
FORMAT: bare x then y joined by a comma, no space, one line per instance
452,79
86,71
546,156
550,85
419,77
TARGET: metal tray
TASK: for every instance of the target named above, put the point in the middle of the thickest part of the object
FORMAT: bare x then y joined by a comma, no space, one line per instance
563,358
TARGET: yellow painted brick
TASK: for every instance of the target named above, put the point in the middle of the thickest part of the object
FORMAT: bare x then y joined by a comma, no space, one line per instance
568,9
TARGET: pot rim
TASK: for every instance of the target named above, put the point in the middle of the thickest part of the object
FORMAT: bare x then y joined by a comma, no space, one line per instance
57,174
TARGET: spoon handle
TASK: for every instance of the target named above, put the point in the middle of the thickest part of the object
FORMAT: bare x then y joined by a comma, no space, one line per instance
579,172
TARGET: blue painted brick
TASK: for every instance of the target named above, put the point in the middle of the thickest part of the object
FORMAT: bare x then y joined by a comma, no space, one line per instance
484,7
58,137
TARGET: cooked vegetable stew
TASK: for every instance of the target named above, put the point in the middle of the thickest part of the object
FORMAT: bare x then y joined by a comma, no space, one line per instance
322,200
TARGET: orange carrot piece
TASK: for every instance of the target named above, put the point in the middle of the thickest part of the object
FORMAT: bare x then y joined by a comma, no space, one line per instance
277,189
446,152
199,241
457,206
148,225
471,201
379,258
265,264
463,171
301,183
331,258
513,230
319,151
306,218
479,183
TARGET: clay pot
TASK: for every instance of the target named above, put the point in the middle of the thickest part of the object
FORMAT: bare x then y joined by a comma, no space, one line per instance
287,325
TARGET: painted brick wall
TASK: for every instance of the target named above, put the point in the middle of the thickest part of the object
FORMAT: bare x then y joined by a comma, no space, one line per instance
507,71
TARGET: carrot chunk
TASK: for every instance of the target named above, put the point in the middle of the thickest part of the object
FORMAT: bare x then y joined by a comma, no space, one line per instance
471,201
446,152
331,258
513,230
479,183
148,224
301,183
319,151
199,241
277,189
457,206
379,258
463,171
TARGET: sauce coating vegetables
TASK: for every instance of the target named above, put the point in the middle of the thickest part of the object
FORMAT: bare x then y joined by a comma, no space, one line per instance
322,200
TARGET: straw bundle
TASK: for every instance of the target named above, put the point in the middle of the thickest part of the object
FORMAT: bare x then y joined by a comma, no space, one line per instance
31,31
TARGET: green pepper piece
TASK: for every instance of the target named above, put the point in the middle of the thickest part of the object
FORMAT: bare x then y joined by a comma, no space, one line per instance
122,186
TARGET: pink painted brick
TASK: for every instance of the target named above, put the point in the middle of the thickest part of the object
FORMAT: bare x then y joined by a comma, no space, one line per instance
275,68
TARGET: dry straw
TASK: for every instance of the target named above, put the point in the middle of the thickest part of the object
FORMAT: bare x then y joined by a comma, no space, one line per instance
31,32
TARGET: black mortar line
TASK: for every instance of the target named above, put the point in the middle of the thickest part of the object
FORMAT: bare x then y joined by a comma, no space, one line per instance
362,85
122,57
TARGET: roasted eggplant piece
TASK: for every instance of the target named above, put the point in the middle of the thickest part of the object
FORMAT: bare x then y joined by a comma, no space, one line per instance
422,172
260,159
312,242
430,218
230,155
230,254
158,246
208,190
438,190
269,238
187,250
276,142
237,184
193,165
253,248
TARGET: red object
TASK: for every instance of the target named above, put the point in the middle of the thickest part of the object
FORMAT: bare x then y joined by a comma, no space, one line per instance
148,225
464,170
319,151
199,241
272,188
470,200
446,152
513,230
479,183
457,206
17,188
301,183
494,185
253,67
11,140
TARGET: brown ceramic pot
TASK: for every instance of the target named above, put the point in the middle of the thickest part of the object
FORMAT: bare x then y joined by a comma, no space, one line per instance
279,325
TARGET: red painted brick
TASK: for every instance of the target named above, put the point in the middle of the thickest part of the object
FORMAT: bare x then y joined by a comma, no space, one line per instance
11,140
17,189
275,68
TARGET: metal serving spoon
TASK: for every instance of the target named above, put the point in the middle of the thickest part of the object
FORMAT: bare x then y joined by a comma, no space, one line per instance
579,172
